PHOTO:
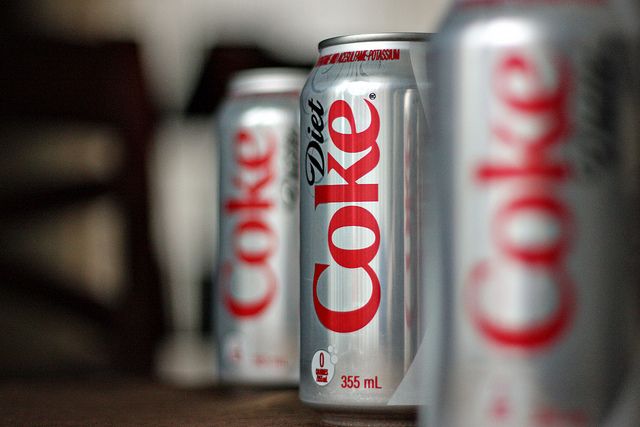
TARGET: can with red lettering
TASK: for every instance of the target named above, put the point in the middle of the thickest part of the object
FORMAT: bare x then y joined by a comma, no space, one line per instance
362,121
537,155
256,298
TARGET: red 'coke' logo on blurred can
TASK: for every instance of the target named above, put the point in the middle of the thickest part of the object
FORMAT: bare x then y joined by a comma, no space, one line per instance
532,121
350,214
255,172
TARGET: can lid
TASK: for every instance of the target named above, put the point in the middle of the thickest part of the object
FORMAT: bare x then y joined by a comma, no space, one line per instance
267,80
375,37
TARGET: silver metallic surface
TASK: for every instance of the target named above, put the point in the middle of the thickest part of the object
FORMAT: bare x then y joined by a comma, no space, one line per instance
537,149
373,37
256,297
266,80
362,123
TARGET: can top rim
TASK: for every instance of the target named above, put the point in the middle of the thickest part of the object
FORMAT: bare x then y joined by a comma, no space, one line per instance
267,80
375,37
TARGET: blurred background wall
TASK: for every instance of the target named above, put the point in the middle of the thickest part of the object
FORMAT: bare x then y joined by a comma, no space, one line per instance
174,35
108,173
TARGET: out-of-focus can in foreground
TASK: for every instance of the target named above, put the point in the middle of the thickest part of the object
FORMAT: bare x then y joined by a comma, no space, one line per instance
256,298
537,144
362,123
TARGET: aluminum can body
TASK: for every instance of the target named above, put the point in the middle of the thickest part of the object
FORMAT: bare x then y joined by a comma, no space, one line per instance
361,122
257,292
537,150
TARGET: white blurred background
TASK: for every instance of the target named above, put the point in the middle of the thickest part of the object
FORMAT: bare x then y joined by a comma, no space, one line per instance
175,34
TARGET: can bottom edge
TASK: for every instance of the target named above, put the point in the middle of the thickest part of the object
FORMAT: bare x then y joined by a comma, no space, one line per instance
362,418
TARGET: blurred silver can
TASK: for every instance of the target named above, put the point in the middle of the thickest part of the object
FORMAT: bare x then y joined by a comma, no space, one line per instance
257,293
362,121
537,145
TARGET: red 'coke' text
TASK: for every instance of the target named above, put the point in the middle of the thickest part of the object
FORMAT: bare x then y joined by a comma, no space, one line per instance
350,214
255,172
531,179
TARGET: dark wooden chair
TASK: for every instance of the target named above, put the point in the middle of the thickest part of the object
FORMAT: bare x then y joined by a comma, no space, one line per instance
55,81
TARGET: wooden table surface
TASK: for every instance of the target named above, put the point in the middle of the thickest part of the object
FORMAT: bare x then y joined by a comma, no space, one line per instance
125,401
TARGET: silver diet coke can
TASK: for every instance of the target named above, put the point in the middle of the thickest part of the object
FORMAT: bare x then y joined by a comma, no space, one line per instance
537,157
256,298
361,120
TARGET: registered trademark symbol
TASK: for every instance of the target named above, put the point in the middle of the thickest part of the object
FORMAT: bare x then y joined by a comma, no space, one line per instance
372,96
